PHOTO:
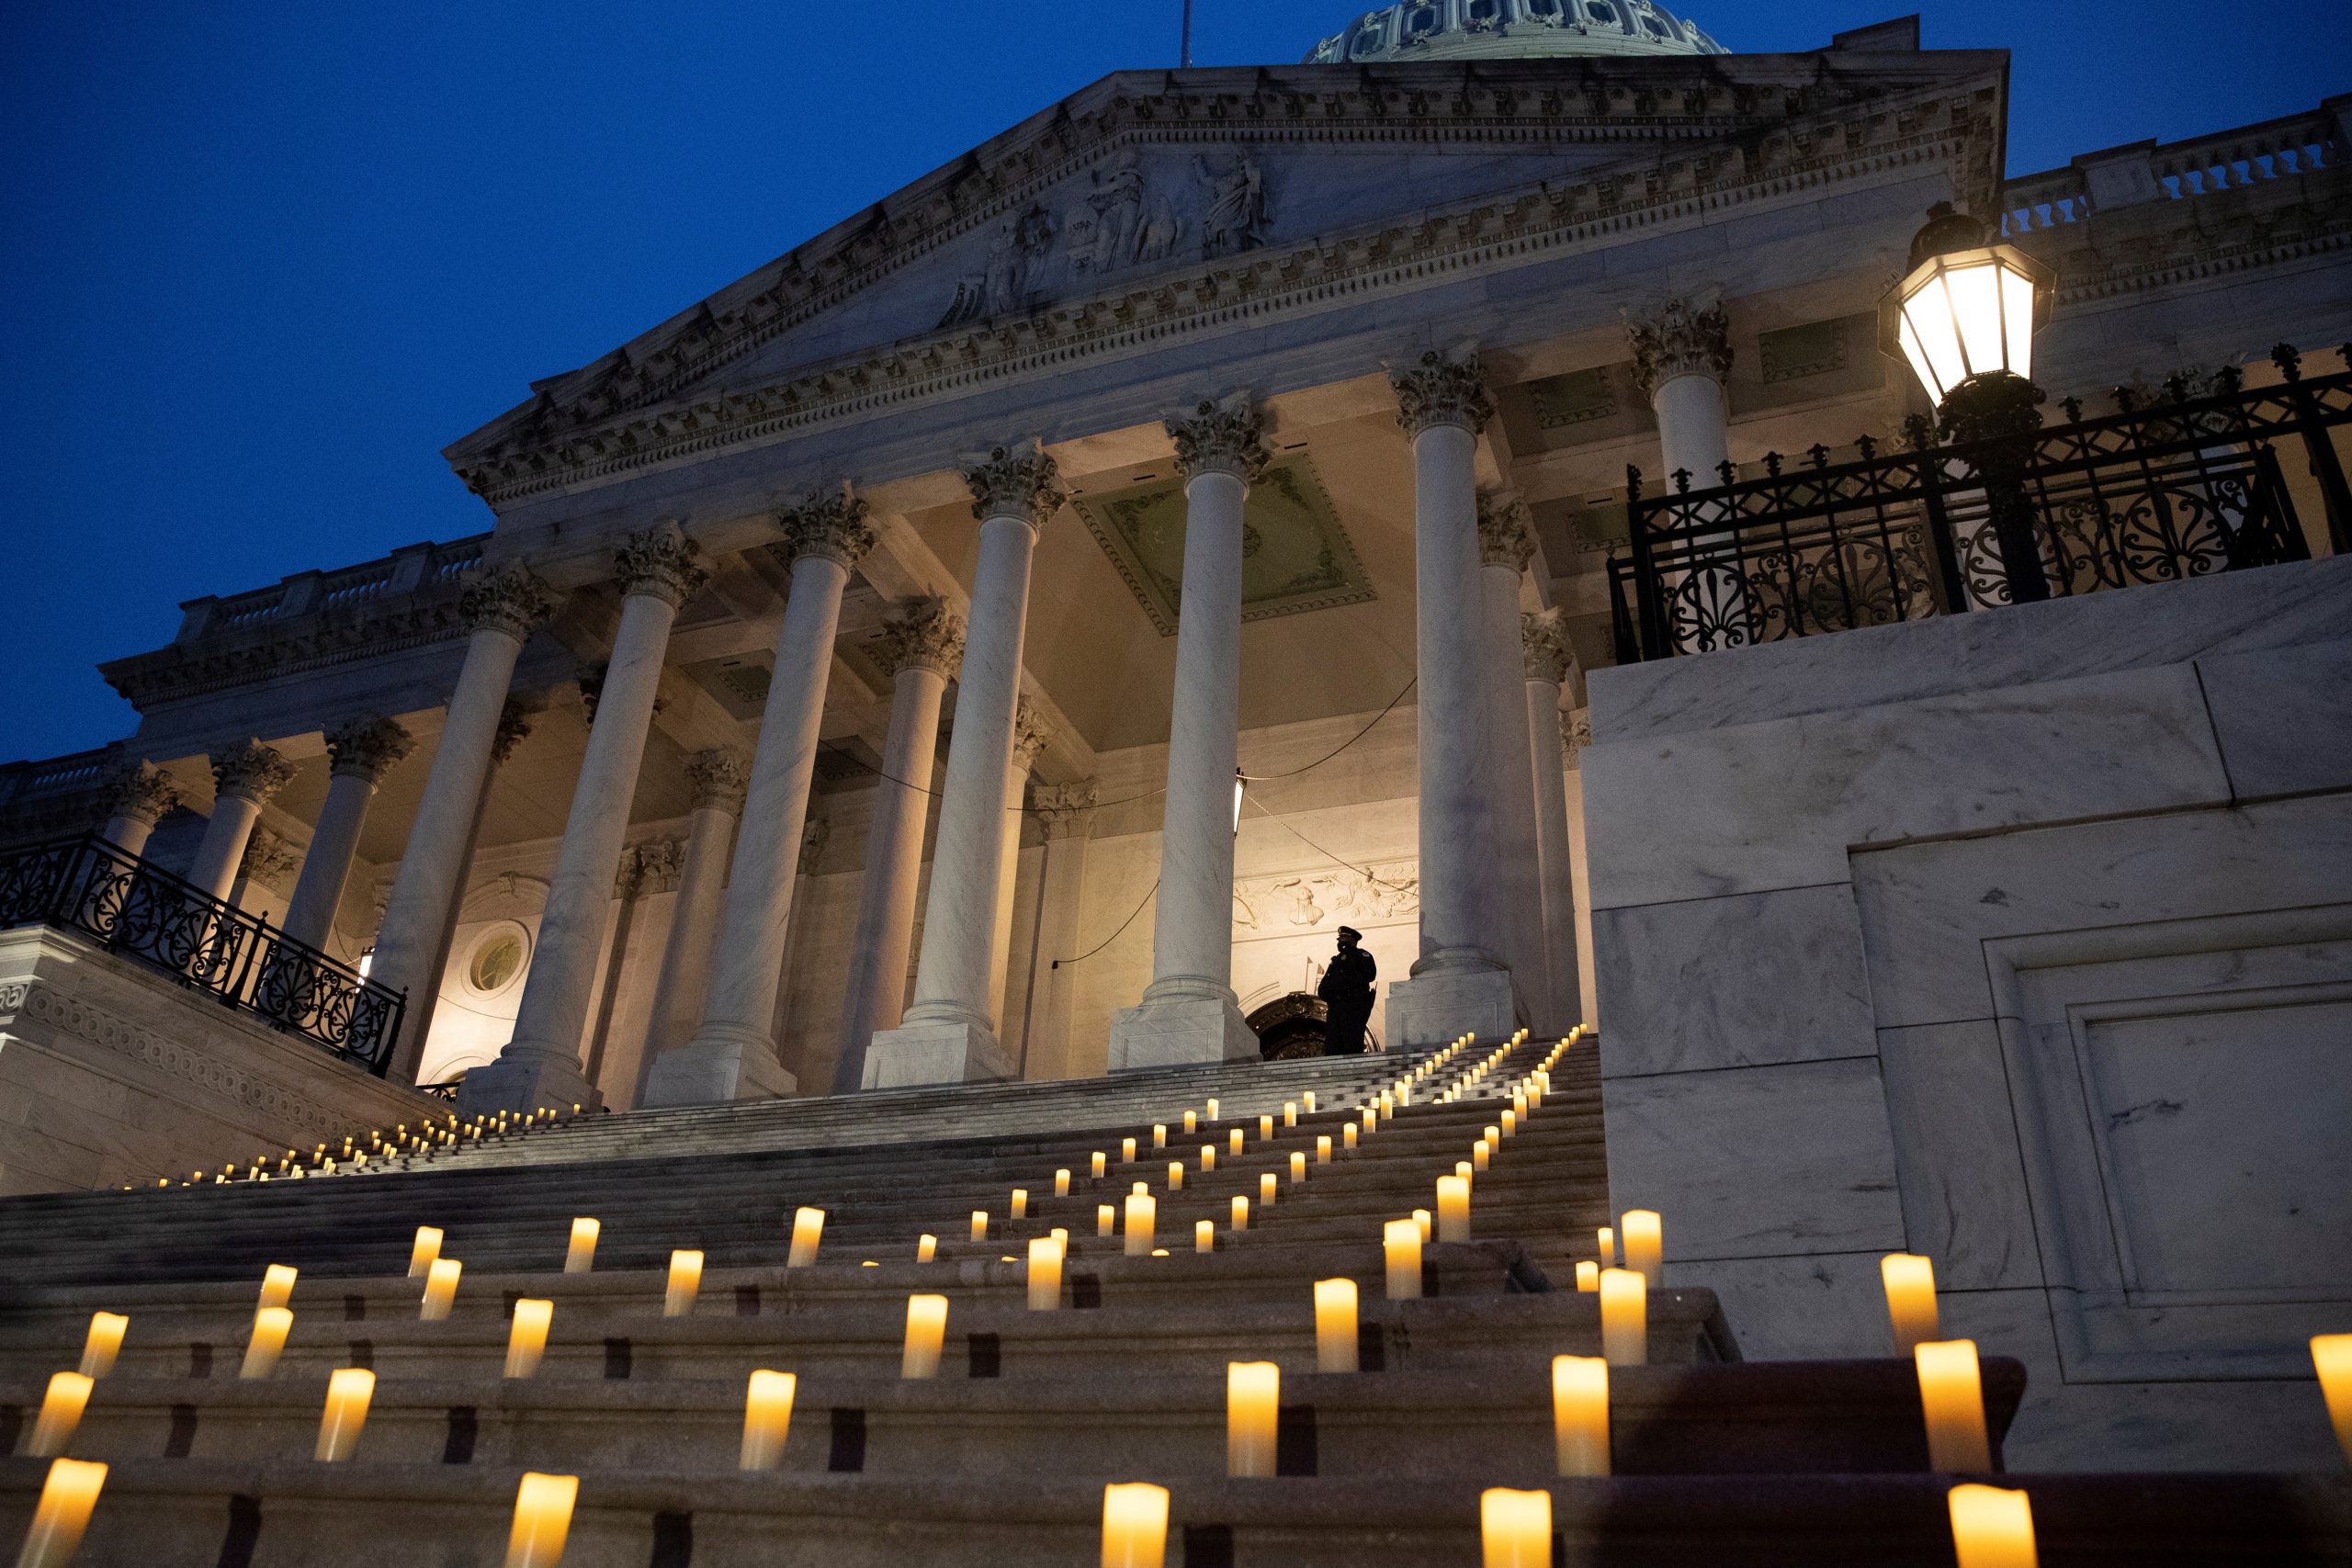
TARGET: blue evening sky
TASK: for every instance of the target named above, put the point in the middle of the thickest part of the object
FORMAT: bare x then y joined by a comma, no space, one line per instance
261,261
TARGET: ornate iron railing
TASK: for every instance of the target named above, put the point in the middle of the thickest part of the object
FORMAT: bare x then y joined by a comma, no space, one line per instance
2171,488
137,910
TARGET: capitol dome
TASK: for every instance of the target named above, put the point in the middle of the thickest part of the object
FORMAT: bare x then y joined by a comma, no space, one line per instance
1513,29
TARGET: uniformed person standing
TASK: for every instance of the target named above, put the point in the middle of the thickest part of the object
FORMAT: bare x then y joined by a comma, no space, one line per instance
1346,990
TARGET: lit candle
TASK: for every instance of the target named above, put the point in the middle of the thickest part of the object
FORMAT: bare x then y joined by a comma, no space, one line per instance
1298,1166
1266,1186
1102,1163
1335,1326
1480,1155
1588,1275
348,1391
67,1497
1240,1213
581,1255
979,1225
1126,1151
1323,1148
527,1336
1106,1220
807,1231
440,1290
1290,1113
1401,1240
1309,1097
1951,1397
277,1285
1454,1208
542,1518
1492,1135
1510,1124
1515,1528
686,1281
1135,1521
1580,1413
1265,1126
926,1332
1212,1115
2331,1357
1624,1317
1371,1115
1644,1244
1607,1247
1061,1184
1992,1526
1159,1135
767,1418
1204,1235
1425,1223
265,1342
926,1247
103,1341
60,1411
1910,1283
1175,1175
1045,1273
1232,1145
422,1251
1141,1211
1021,1202
1192,1122
1464,1169
1253,1407
1348,1137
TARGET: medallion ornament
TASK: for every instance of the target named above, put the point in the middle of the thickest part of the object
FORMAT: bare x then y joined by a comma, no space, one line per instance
661,562
1681,337
1506,532
252,770
366,748
830,524
1443,390
506,599
1221,436
1015,481
923,634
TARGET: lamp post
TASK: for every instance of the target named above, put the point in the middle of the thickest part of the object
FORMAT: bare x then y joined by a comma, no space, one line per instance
1963,318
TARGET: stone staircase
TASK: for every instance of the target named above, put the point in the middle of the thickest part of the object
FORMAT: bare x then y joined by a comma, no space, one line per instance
1000,1458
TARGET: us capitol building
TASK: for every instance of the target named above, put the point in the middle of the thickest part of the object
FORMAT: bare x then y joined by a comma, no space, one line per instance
1656,538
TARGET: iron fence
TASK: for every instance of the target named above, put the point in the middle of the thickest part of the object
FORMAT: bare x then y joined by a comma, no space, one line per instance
2183,485
92,887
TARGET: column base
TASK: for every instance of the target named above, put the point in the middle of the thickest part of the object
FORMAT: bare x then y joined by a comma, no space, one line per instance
933,1053
1166,1032
712,1072
1433,1007
526,1083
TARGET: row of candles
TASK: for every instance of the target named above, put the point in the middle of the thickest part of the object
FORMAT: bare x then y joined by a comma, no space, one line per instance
429,1138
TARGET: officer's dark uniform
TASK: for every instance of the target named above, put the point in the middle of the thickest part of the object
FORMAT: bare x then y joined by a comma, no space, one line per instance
1346,990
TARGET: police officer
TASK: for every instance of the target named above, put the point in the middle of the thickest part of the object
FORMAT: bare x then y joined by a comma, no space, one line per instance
1346,990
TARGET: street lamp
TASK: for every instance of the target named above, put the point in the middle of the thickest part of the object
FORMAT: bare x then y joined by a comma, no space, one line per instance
1963,318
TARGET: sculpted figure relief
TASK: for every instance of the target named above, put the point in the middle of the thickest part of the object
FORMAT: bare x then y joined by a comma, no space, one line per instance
1235,219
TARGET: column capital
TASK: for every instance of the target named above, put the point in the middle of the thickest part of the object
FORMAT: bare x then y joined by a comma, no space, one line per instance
252,770
508,599
1506,532
513,724
366,748
718,777
1222,436
830,525
1030,735
269,859
661,563
139,790
1544,645
1576,729
1682,336
1064,808
815,834
1014,481
922,633
1443,390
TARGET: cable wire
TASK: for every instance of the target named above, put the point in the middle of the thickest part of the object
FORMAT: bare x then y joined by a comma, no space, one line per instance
1107,940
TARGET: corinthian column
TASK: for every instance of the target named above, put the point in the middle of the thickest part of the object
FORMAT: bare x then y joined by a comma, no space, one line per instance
719,779
1460,981
920,650
1030,735
138,795
949,1034
732,1056
1545,661
1189,1012
416,1023
244,776
363,752
501,605
1505,544
1682,355
658,570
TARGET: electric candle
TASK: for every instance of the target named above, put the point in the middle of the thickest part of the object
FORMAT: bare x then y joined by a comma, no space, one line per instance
527,1336
1232,1145
1624,1317
2331,1357
1204,1235
1290,1113
420,1254
1511,1121
926,1332
1159,1135
767,1418
1126,1151
1021,1202
979,1225
1371,1115
1454,1208
1607,1247
1492,1137
1910,1283
1992,1526
1253,1407
1212,1115
1644,1242
277,1285
1463,1169
1335,1326
1175,1175
67,1497
1951,1397
581,1255
686,1281
1106,1220
1401,1240
440,1290
1208,1157
1240,1213
1480,1156
348,1391
1141,1212
926,1247
1423,1223
1298,1166
265,1342
1135,1523
103,1341
1580,1413
1061,1184
1192,1122
1348,1137
1588,1275
1045,1273
1309,1097
1323,1148
1266,1126
1515,1528
60,1411
1101,1165
542,1518
1266,1185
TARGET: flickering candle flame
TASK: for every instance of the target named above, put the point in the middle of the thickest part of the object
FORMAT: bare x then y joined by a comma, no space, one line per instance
1232,1145
1580,1413
1253,1408
1588,1275
1481,1155
542,1518
926,1247
1175,1175
277,1285
1192,1122
1644,1242
1021,1202
2331,1357
1992,1526
349,1389
1142,1209
685,1281
61,1413
979,1225
265,1342
1100,1165
103,1342
1204,1235
1240,1213
926,1332
1624,1317
767,1419
1061,1184
440,1290
527,1336
1134,1521
1454,1208
1298,1166
1401,1241
581,1255
1106,1220
1335,1326
1323,1148
67,1495
1951,1398
1608,1253
1910,1283
1515,1528
424,1250
1126,1151
1045,1273
1266,1189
